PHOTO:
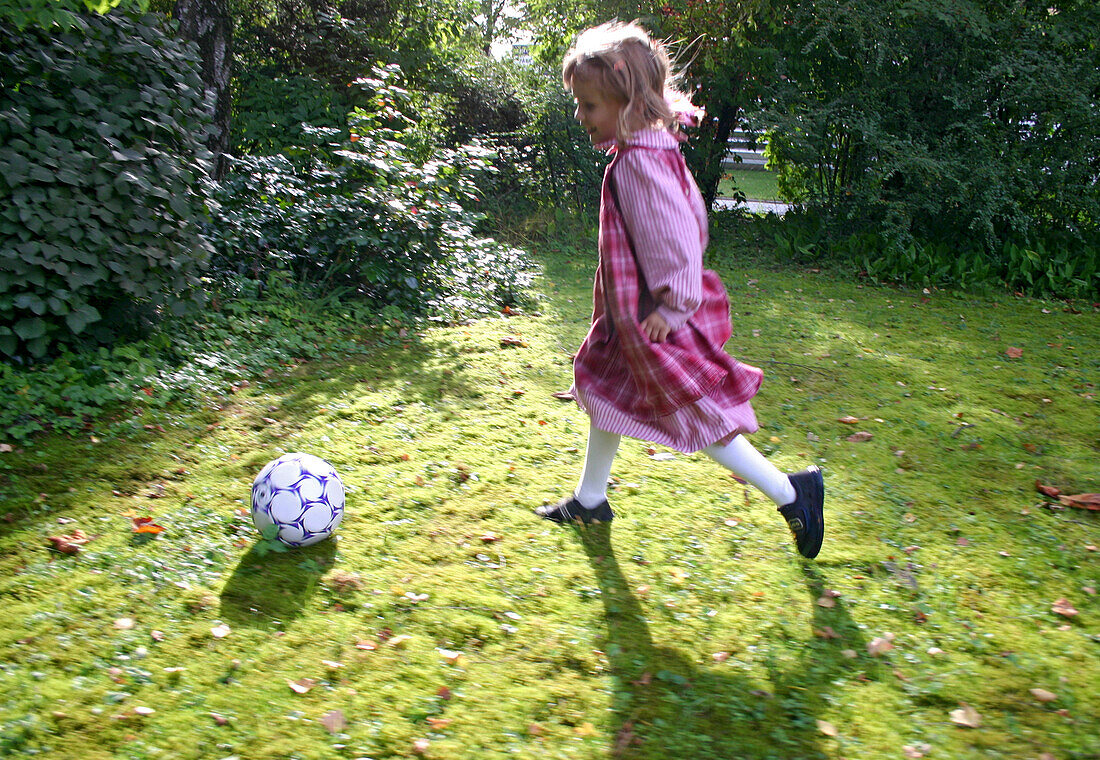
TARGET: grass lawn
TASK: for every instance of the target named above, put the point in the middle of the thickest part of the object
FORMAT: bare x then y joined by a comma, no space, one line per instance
757,185
951,613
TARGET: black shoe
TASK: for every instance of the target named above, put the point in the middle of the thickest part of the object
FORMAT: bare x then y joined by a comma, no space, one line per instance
571,510
805,515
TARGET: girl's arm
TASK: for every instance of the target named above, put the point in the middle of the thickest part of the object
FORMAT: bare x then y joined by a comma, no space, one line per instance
665,232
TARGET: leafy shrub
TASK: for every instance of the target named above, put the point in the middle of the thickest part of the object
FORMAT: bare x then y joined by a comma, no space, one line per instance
238,338
269,110
361,213
968,125
103,181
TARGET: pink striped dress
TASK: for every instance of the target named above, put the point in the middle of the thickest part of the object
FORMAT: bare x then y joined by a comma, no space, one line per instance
686,393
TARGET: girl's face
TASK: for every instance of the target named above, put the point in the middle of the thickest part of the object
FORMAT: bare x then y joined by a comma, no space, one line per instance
596,111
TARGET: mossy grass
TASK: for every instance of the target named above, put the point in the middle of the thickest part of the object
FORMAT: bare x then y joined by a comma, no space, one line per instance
690,627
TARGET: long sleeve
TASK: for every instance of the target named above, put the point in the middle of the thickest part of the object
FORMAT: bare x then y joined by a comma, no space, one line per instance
666,230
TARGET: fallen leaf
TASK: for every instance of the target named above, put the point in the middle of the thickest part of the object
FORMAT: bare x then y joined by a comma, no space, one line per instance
140,710
421,746
439,723
70,543
721,656
562,395
302,685
915,751
1082,501
862,435
826,601
368,645
585,729
400,641
880,644
663,456
849,420
1012,352
1050,491
220,631
510,341
5,448
221,720
124,624
1063,607
157,635
334,721
146,525
826,632
444,693
966,716
851,654
1043,695
450,656
826,728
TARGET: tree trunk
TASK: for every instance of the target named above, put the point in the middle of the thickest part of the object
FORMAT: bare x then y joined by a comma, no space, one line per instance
208,24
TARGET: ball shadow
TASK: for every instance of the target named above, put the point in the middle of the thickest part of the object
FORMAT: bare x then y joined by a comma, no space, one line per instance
667,705
268,589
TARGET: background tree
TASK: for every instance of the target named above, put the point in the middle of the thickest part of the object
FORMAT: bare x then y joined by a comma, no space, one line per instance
207,23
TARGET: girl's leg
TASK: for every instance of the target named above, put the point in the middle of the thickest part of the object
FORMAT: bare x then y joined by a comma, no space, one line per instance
588,503
743,460
602,446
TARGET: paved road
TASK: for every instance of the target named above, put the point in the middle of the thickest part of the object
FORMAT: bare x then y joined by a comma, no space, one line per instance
756,207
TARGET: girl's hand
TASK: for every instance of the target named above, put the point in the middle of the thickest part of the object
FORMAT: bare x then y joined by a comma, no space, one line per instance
655,327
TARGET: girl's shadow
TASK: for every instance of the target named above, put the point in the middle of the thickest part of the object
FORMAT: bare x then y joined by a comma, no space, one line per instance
667,706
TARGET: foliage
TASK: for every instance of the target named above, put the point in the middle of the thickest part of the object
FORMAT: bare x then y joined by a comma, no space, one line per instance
249,329
59,14
360,212
270,109
971,125
103,181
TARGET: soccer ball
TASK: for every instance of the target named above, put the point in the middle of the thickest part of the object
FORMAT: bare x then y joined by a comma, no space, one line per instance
301,495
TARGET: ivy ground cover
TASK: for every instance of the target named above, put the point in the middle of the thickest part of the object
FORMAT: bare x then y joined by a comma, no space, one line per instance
952,612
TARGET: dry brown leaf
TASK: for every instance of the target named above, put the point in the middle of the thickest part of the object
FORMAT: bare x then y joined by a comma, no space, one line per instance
1012,352
220,631
862,435
364,644
302,685
826,601
966,716
826,728
1082,501
1051,491
124,624
334,721
1043,695
849,420
439,723
721,656
880,644
421,746
1063,607
826,632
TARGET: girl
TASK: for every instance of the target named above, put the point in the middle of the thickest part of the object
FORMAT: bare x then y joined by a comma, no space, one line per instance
653,365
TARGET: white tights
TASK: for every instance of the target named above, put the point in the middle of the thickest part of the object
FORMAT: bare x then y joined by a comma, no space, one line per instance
738,456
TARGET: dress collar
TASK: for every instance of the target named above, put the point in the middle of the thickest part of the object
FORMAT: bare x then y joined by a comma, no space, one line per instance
644,138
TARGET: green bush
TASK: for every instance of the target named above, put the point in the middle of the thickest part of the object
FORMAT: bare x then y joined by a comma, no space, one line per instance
359,212
103,181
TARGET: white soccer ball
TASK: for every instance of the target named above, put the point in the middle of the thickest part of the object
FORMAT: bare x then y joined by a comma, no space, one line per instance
301,495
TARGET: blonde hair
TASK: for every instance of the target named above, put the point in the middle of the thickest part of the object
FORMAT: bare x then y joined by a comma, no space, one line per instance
624,62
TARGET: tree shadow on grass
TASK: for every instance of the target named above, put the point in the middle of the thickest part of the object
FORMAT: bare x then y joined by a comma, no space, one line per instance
269,589
667,706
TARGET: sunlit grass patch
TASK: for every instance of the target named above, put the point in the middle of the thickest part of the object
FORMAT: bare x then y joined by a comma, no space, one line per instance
447,620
